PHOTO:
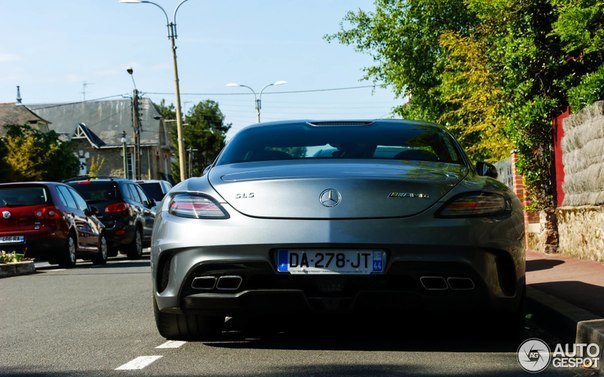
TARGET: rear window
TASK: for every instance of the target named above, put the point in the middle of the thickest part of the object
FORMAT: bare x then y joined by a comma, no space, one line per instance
23,196
393,141
153,190
96,191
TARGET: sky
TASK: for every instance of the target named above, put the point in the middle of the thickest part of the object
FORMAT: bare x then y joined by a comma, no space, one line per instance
74,50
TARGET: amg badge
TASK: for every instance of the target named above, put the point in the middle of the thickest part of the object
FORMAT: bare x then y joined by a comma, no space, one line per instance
411,195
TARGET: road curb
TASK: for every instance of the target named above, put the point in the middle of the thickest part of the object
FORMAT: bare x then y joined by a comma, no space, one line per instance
17,268
568,320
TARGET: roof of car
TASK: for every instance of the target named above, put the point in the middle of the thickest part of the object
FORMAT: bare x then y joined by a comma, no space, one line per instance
94,179
346,122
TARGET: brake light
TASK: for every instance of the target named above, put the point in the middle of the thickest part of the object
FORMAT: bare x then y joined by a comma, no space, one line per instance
50,213
196,207
475,204
117,207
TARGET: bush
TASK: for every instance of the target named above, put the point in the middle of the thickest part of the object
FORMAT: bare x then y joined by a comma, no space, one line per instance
590,90
10,257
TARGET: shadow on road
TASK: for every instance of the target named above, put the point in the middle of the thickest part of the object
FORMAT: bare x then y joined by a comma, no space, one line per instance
426,334
542,264
578,293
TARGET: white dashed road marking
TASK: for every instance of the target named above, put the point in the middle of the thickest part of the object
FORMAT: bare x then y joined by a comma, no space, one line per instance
139,363
172,344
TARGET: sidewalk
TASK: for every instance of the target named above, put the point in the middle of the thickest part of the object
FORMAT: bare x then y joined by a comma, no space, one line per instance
568,293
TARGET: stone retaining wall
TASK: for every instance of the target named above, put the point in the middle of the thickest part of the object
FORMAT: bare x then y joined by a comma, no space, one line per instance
582,231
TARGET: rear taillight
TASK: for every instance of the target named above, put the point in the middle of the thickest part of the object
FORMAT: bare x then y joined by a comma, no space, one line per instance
196,207
49,213
475,204
116,208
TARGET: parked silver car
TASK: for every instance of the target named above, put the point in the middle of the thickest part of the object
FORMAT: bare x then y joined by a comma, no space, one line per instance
309,218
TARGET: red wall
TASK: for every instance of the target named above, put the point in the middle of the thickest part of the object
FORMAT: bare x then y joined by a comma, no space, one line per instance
559,166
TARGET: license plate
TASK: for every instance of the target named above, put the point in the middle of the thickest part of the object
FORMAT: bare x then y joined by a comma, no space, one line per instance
331,262
11,239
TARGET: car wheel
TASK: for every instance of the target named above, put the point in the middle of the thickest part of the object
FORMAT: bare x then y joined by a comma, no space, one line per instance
183,326
135,249
101,257
69,252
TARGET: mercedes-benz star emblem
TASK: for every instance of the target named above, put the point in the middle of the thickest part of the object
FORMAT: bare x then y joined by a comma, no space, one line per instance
330,197
6,215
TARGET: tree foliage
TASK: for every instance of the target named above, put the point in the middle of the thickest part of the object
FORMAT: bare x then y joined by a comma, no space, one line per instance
30,155
204,130
494,72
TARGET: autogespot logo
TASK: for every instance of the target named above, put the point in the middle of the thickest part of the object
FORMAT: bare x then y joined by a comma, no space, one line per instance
534,355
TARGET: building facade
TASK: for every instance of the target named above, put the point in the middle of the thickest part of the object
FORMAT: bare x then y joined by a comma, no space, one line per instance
97,129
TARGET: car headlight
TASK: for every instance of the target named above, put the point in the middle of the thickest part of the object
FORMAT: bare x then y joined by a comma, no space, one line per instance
475,204
196,207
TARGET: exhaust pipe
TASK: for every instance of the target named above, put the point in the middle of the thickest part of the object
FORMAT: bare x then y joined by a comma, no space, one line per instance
434,283
229,283
204,282
461,284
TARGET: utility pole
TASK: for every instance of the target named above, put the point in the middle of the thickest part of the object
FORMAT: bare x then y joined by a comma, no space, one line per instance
137,134
191,150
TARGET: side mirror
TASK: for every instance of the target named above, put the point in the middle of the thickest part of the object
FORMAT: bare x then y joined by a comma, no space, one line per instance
486,170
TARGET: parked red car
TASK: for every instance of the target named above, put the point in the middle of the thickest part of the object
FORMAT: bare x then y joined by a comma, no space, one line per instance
50,221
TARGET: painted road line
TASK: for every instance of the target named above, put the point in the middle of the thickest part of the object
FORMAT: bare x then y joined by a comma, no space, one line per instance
139,363
172,344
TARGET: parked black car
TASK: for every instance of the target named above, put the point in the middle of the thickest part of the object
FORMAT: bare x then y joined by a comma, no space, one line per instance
50,221
124,209
155,188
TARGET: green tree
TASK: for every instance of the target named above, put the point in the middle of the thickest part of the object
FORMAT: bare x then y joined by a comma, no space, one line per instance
31,155
204,129
580,27
402,36
471,87
490,69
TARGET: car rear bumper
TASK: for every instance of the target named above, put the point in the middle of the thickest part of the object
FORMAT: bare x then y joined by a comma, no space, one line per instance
453,279
43,244
489,252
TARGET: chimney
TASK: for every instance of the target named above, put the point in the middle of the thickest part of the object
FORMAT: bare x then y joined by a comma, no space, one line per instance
19,99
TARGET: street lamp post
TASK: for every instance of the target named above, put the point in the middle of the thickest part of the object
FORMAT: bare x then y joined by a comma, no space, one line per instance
172,35
257,98
124,152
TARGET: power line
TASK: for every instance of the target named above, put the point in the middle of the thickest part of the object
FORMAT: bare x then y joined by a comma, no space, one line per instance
280,92
78,102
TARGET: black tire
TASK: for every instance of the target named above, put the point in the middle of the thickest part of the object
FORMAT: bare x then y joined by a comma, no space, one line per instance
112,251
183,326
68,259
135,249
101,257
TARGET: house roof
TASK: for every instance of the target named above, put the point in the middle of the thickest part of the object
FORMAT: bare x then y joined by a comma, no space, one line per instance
19,115
103,121
83,132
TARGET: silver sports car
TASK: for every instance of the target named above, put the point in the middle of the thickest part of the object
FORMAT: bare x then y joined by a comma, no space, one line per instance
336,218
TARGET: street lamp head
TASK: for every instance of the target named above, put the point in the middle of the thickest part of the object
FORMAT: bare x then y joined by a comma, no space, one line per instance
280,82
130,70
123,139
232,84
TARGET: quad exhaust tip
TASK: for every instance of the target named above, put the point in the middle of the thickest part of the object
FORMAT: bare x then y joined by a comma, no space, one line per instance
440,283
461,284
221,283
434,283
204,282
229,283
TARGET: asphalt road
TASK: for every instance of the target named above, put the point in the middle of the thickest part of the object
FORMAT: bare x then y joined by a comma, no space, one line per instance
94,320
